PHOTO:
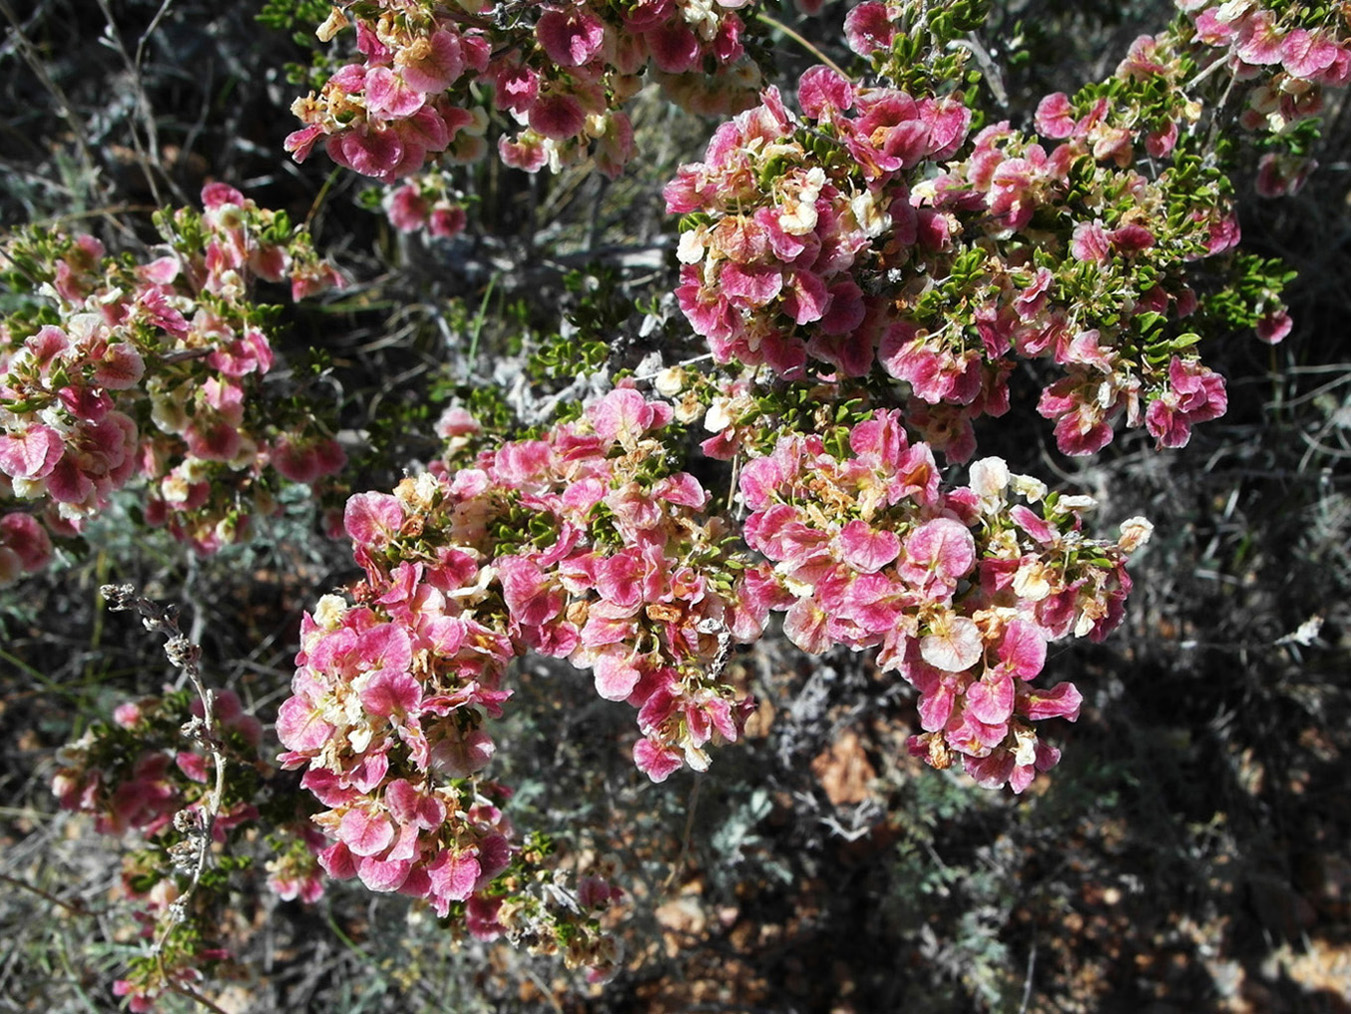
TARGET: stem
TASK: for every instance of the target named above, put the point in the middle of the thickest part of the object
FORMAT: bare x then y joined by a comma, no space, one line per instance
183,654
319,198
803,42
196,997
75,907
63,107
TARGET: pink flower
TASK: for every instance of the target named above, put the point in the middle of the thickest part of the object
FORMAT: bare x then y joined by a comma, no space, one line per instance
461,756
557,116
615,675
868,29
865,549
1061,701
806,626
390,96
1131,238
940,551
300,727
615,147
1194,394
26,542
447,221
821,90
31,455
1055,117
372,519
623,415
656,760
516,86
1090,243
433,63
953,643
390,692
526,152
675,49
453,875
570,38
407,209
1160,143
755,286
377,153
1259,40
217,195
1023,649
1274,326
990,699
1280,175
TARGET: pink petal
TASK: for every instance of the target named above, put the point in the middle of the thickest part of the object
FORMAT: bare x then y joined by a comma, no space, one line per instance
453,875
942,546
363,833
383,875
656,760
1061,701
438,67
805,625
460,757
390,692
990,700
867,550
615,677
32,455
371,518
1023,649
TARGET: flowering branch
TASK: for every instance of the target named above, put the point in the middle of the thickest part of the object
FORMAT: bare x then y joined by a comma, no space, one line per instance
196,823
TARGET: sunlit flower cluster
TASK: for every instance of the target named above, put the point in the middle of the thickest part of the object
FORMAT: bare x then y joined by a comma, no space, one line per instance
559,73
137,778
151,370
870,232
959,589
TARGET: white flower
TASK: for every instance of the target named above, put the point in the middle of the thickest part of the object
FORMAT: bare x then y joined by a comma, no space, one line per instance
1135,532
670,381
1030,489
692,246
989,479
329,611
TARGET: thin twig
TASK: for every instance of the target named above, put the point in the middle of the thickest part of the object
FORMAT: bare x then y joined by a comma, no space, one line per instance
77,907
802,41
146,114
75,216
63,106
319,199
685,838
183,989
1027,980
184,655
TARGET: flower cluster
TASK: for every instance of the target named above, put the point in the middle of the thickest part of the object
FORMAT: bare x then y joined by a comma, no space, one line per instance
118,370
784,218
137,774
131,776
581,545
855,238
959,590
561,71
426,201
1287,55
867,271
588,544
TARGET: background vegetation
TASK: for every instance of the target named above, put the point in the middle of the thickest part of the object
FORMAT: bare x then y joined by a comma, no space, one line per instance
1189,854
